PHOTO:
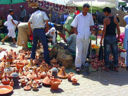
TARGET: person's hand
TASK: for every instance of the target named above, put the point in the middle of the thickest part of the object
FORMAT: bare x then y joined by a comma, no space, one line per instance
118,39
30,32
101,41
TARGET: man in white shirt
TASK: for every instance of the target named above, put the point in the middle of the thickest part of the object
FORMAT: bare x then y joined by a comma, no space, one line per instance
39,21
11,26
82,27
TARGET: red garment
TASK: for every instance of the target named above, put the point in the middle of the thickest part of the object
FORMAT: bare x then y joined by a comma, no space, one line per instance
77,12
31,37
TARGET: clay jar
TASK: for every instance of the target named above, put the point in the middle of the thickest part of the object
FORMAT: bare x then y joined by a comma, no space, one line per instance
74,80
70,75
55,83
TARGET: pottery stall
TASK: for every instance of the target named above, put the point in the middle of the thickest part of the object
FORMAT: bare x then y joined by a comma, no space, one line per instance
16,71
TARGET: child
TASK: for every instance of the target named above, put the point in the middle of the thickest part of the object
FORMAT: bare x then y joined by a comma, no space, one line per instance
11,26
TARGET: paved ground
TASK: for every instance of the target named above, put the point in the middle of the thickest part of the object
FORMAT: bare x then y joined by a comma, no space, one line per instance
96,84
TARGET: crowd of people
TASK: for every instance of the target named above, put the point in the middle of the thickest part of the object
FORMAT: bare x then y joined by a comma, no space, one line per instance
78,28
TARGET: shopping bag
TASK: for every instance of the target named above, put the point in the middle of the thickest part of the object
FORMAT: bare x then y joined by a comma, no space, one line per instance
101,53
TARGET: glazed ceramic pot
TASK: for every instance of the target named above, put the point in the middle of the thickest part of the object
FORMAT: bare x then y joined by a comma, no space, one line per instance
70,75
55,83
62,74
43,75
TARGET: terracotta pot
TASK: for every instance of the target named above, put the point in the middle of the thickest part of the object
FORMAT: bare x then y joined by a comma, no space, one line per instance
70,75
11,83
55,83
5,81
43,75
27,88
20,65
62,74
47,81
74,81
35,86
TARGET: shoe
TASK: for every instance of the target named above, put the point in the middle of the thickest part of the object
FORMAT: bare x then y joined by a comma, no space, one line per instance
78,70
115,69
106,69
126,68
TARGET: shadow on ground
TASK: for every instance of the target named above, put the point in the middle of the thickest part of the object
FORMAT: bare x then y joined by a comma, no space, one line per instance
116,78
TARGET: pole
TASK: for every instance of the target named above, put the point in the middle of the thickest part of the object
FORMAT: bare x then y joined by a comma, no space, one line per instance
91,6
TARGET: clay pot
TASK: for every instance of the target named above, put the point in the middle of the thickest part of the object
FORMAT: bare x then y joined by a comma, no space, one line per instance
35,86
20,65
74,80
11,83
27,88
44,68
62,74
43,75
47,81
5,80
55,83
70,75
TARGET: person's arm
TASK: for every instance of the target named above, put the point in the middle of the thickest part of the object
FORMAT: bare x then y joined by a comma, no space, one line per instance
91,25
74,24
46,21
117,26
13,22
29,25
47,26
62,36
104,31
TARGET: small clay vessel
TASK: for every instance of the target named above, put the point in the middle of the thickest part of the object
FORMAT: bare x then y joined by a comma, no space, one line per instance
43,75
62,74
74,80
55,83
5,80
47,81
70,75
27,88
19,65
53,61
11,83
35,86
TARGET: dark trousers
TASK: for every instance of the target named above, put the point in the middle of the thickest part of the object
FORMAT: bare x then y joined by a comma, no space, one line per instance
39,34
110,45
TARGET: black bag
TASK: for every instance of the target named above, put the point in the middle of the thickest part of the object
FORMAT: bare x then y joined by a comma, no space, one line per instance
101,53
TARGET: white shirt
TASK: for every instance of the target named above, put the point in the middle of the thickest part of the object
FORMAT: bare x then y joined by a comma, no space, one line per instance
38,18
83,23
10,25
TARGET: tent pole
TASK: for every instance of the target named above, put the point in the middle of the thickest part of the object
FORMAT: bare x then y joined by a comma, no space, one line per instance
91,6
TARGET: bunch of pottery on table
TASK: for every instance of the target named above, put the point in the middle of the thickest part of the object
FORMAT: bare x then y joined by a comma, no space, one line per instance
17,71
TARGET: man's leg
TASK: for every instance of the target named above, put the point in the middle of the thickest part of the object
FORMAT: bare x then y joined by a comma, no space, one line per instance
79,48
35,40
115,53
85,50
45,45
107,50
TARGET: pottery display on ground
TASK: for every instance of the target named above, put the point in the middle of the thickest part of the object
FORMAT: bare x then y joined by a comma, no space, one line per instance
47,81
